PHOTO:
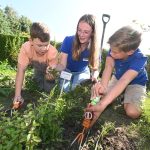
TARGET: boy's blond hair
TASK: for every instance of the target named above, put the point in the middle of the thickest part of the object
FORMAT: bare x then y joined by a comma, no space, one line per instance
125,39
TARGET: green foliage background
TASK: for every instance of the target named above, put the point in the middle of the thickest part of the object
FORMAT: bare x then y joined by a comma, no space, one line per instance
9,47
11,23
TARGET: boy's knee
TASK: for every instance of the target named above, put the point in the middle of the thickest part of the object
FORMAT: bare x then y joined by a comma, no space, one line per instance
133,114
132,111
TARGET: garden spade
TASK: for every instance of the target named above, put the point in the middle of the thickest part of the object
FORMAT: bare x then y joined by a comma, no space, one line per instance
105,19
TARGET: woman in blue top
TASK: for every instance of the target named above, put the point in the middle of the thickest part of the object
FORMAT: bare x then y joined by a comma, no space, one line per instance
80,53
130,76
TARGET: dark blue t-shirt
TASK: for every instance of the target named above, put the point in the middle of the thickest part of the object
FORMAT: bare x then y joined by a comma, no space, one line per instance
137,61
73,65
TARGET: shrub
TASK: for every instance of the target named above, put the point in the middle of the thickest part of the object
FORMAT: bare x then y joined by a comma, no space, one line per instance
10,46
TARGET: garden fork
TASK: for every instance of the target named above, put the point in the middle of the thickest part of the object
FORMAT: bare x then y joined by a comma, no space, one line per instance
86,125
88,116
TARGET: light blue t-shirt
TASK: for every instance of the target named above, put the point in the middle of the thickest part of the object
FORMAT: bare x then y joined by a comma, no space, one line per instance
137,61
73,65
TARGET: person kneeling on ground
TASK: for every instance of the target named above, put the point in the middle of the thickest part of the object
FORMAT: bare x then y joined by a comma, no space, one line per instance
78,52
130,76
39,53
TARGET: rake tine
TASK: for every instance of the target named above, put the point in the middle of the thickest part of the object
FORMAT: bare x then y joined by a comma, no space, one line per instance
80,146
86,139
75,139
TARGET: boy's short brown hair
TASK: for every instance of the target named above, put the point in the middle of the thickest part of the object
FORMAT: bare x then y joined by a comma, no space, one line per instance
41,31
125,39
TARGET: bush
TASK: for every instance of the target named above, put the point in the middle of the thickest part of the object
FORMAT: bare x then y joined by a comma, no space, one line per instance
37,126
10,46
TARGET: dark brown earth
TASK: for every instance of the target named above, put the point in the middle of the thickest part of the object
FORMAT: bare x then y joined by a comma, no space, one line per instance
117,139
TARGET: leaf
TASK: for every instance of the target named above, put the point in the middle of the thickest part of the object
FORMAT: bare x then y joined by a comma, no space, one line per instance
36,139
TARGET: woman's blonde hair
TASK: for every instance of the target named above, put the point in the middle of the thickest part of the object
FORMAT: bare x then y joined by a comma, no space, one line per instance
93,48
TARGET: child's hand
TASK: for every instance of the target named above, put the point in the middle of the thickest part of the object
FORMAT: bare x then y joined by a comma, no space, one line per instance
96,111
18,99
51,73
17,102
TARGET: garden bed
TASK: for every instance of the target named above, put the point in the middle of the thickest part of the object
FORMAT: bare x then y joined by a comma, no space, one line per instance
51,122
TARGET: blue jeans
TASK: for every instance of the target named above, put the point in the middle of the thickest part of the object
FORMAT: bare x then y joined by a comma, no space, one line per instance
76,79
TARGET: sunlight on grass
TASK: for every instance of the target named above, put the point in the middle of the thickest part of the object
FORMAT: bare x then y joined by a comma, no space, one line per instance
147,107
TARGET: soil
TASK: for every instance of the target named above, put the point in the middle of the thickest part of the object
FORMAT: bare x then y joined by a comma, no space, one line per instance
118,139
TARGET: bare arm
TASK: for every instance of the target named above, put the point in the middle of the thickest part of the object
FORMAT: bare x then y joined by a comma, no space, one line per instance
109,66
100,87
112,94
63,62
19,81
120,86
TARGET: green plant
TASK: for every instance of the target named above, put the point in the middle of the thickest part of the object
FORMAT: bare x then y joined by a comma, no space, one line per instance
10,46
45,123
7,79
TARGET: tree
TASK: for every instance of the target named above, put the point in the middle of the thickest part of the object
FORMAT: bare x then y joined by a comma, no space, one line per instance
24,24
4,25
11,23
143,26
12,19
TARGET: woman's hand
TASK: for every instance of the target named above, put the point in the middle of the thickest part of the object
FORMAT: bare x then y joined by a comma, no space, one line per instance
94,76
97,90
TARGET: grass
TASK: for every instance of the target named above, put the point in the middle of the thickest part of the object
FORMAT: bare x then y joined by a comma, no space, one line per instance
147,107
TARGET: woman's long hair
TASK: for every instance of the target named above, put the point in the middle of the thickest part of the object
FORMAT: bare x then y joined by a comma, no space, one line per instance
93,48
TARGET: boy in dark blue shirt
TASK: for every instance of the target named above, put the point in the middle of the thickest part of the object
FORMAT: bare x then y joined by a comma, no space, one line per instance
130,76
